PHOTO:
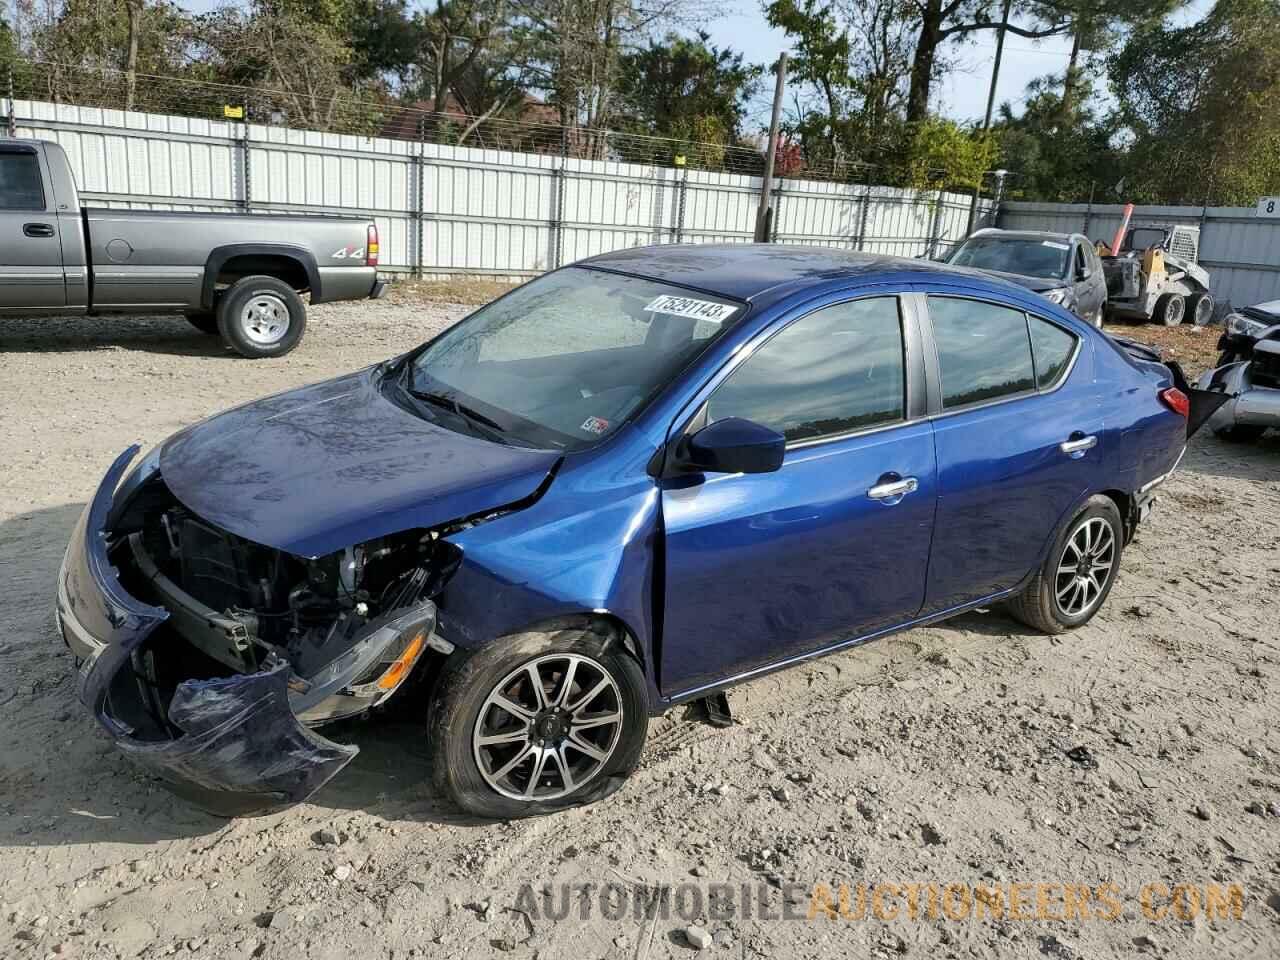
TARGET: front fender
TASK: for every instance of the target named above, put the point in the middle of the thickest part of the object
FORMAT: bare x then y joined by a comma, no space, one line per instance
587,546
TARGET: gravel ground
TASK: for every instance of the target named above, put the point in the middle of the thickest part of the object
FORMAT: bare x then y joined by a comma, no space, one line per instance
947,755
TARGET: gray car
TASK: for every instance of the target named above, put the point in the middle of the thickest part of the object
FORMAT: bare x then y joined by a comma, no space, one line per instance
236,275
1062,267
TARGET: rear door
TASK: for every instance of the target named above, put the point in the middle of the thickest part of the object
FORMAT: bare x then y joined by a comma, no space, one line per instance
1017,428
31,274
764,567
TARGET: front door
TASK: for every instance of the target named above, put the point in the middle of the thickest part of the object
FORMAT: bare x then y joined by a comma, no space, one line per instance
833,545
1090,285
31,277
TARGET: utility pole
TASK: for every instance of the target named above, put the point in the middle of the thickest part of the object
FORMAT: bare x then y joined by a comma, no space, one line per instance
764,215
995,67
991,103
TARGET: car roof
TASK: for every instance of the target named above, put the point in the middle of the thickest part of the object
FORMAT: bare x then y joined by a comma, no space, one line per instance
771,271
993,233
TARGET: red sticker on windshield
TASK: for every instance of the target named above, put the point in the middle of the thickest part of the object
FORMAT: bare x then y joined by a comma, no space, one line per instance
596,425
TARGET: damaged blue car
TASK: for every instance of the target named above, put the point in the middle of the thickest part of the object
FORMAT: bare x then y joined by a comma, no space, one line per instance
629,483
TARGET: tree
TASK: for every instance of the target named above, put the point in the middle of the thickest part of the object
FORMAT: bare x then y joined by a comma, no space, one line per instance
298,65
854,58
572,50
943,20
686,89
1199,105
1056,154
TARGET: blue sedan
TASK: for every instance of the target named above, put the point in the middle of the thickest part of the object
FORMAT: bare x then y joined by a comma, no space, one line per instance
626,484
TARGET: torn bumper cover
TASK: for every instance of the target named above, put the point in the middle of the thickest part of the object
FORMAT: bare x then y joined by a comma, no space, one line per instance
236,745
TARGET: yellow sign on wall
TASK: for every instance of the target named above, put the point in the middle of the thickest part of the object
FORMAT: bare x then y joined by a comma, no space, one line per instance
233,113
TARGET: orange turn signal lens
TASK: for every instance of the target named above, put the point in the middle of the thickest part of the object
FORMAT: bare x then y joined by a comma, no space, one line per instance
396,672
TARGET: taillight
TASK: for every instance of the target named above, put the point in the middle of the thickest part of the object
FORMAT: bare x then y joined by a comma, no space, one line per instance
371,247
1176,401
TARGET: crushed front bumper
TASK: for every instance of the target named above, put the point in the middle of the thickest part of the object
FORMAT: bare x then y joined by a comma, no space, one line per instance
241,749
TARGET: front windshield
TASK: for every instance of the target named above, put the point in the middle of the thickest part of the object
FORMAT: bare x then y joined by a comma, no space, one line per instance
1026,256
566,359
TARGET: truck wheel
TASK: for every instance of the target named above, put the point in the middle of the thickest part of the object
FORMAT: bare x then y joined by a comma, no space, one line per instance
538,722
261,317
204,322
1078,573
1200,308
1170,309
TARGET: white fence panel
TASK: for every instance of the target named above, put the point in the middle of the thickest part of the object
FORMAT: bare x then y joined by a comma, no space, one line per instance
456,210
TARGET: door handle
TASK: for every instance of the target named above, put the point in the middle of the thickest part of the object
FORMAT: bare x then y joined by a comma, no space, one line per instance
894,490
38,229
1076,446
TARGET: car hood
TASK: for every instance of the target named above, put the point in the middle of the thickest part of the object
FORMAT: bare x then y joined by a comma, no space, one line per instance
327,466
1038,284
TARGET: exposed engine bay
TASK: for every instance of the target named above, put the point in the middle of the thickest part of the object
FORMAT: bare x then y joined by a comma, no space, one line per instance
348,627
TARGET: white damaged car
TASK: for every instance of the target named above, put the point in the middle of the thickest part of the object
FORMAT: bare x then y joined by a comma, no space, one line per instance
1248,371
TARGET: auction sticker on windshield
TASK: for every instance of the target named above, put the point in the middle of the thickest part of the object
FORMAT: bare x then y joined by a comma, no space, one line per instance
707,310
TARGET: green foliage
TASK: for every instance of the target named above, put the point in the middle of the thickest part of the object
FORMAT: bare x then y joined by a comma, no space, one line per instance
1199,103
943,154
1055,154
685,89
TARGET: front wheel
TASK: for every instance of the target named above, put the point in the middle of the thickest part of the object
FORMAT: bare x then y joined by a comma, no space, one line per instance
1079,572
538,722
261,316
1170,309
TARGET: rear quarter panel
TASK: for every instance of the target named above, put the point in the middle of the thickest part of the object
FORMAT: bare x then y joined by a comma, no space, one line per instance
1144,437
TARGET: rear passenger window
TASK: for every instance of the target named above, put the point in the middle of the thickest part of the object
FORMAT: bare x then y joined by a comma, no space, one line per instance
836,370
20,187
1051,348
983,350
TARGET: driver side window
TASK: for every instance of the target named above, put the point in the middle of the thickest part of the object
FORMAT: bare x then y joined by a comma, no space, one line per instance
836,370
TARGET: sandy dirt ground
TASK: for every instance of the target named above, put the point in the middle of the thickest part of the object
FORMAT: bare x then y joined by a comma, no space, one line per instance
942,756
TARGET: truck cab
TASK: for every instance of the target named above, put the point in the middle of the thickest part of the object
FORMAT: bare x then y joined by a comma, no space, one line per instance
42,252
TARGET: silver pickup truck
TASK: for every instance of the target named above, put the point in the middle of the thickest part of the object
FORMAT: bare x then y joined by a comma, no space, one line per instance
237,275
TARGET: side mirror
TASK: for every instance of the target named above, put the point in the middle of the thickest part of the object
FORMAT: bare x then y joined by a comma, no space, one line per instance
1084,273
733,445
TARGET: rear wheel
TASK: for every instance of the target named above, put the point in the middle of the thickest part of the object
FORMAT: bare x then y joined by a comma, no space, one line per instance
1170,309
261,316
538,722
1241,433
1079,572
1200,308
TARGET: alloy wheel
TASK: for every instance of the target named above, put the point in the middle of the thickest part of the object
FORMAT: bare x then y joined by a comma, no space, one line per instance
548,727
1084,567
265,319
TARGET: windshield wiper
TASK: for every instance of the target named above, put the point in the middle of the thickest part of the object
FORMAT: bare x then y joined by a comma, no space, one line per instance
453,405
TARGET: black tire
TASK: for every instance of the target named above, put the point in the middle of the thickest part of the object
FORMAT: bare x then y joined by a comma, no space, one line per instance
269,328
204,322
463,694
1038,605
1240,433
1200,308
1170,309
